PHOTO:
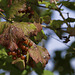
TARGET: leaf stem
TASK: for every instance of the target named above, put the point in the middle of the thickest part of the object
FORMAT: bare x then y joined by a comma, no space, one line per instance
2,14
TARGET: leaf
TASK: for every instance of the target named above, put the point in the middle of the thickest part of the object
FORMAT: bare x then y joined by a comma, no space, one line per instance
46,19
17,31
7,64
56,23
36,38
39,54
46,72
19,63
46,12
8,37
56,26
12,10
38,68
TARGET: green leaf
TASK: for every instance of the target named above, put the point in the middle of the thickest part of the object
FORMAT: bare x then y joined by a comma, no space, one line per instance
46,12
6,63
56,26
46,72
39,54
38,68
56,23
19,63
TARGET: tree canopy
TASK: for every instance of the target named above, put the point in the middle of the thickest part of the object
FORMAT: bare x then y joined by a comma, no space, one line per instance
23,30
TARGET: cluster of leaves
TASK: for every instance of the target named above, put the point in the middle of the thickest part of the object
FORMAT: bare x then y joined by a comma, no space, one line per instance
21,29
12,33
62,65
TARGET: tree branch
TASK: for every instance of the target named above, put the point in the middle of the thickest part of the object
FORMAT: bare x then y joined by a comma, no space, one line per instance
61,14
52,27
57,9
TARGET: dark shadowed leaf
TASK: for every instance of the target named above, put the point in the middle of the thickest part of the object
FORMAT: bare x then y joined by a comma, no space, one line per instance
71,51
56,23
2,74
62,64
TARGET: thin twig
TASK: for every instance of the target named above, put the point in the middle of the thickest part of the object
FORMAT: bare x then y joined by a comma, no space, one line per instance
6,19
63,43
61,13
52,27
57,9
3,16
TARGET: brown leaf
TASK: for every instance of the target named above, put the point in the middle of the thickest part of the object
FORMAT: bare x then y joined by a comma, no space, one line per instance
12,46
38,25
39,54
38,29
13,34
10,37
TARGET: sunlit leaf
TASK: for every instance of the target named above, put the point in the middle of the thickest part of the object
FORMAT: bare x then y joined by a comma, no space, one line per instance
46,72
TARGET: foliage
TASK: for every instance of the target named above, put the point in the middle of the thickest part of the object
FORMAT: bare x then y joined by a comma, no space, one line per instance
24,23
63,62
